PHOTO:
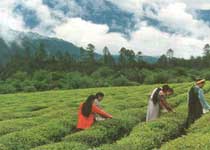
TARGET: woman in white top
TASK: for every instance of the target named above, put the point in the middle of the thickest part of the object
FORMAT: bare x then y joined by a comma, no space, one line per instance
99,98
157,101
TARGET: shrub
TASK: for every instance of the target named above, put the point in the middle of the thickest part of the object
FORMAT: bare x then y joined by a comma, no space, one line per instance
120,81
179,79
20,76
24,141
15,125
2,147
150,135
63,146
42,75
161,77
180,71
48,117
41,85
103,72
149,79
197,137
40,135
86,82
109,130
190,142
29,88
7,88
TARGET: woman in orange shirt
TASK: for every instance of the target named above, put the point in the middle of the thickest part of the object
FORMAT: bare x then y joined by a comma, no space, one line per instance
87,111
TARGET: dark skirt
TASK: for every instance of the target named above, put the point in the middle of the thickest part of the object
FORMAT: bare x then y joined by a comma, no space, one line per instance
195,111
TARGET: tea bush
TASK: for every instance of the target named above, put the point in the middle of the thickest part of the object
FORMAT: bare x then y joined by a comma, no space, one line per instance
150,135
111,130
63,146
190,142
108,131
197,137
46,120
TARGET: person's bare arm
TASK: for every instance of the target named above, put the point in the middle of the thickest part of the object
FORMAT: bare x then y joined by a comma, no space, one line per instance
164,104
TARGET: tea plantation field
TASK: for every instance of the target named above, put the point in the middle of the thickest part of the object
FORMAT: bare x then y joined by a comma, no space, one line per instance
47,120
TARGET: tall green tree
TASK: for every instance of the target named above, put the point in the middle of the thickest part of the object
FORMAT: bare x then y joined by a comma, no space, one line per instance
206,57
127,57
91,53
105,55
27,57
68,62
82,54
206,50
40,57
131,57
139,56
163,61
122,57
170,53
108,60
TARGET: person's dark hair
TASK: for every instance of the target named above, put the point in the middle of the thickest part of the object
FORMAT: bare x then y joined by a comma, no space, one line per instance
99,94
171,90
165,88
87,106
155,96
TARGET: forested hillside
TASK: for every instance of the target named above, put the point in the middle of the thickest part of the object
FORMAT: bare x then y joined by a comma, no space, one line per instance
38,67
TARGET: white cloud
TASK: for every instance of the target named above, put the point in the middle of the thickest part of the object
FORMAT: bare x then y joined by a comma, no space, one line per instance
129,5
197,4
136,5
9,21
82,32
154,42
147,39
48,17
190,33
74,8
176,17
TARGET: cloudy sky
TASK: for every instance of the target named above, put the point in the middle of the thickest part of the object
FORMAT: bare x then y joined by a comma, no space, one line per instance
150,26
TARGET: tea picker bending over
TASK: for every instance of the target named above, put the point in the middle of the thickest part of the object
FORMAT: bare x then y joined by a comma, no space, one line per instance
87,111
157,101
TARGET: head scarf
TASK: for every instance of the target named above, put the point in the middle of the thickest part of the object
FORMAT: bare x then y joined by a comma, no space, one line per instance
199,81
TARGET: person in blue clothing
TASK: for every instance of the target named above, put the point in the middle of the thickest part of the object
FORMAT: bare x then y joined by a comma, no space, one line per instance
196,102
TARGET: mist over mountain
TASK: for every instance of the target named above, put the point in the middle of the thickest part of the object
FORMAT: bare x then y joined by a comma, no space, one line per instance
146,26
32,41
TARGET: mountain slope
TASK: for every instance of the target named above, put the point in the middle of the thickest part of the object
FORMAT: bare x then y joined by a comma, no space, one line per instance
52,46
32,41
